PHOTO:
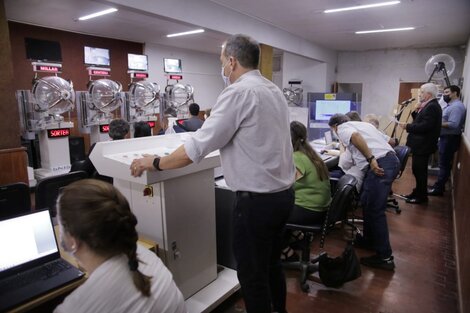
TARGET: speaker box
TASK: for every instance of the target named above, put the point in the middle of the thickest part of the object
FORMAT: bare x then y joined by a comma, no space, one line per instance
77,149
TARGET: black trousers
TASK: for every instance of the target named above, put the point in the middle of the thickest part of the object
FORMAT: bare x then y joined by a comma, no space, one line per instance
259,221
420,172
302,216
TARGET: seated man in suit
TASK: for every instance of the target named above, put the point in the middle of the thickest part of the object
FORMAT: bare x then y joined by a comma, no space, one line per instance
194,122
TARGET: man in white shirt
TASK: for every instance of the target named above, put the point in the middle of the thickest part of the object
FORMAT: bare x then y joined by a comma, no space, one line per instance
372,153
249,124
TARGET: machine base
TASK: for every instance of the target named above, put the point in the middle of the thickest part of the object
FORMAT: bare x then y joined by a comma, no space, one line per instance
41,173
209,297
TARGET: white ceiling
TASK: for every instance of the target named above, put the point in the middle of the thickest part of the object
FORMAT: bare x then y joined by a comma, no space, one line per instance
438,22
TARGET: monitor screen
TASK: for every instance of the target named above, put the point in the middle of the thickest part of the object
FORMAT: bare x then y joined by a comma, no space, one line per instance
325,109
43,50
172,66
138,62
96,56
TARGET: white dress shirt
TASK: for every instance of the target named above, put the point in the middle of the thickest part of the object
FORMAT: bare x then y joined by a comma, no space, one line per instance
375,140
250,125
110,289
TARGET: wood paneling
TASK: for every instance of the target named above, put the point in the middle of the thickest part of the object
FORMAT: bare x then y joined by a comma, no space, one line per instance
461,179
13,163
9,127
266,61
72,60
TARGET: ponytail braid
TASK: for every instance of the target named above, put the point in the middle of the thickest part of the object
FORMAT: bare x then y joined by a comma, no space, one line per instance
141,281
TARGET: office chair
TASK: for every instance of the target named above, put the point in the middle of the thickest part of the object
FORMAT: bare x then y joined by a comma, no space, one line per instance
48,189
83,165
403,152
14,200
340,204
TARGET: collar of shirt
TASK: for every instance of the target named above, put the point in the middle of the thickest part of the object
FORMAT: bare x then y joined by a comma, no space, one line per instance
248,74
423,104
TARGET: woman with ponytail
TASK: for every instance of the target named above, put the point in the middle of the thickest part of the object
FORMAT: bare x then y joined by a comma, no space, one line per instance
312,187
98,228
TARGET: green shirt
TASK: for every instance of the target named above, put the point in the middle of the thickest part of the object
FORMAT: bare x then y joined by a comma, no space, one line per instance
310,192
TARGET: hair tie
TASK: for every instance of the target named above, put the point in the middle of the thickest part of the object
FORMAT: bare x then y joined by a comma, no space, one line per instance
133,265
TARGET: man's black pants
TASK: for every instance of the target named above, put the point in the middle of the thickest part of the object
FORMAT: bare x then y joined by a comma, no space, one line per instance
259,221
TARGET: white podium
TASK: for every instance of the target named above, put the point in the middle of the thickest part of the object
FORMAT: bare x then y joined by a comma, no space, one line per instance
175,208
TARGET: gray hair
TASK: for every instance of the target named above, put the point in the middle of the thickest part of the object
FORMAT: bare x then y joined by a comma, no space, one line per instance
243,48
430,88
118,129
373,119
338,119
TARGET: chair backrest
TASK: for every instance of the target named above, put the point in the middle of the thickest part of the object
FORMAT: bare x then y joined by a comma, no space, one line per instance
14,200
48,189
83,165
343,199
403,152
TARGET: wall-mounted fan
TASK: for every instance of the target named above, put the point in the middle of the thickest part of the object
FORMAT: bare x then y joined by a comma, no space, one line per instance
440,66
294,95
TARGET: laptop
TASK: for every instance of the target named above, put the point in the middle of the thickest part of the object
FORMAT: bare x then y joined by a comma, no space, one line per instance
30,262
328,137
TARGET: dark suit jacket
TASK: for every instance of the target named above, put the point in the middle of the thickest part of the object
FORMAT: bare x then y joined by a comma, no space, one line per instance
424,132
193,123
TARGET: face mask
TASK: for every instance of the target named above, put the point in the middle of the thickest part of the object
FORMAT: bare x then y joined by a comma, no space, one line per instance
446,98
226,78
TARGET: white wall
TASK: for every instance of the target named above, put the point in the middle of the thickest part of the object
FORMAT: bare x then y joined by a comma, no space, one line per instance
201,70
312,73
381,72
466,90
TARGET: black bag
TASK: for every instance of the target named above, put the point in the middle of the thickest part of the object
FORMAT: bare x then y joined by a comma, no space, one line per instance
334,272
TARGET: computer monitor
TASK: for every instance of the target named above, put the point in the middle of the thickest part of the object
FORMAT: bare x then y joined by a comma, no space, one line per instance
96,56
172,65
137,62
43,50
325,109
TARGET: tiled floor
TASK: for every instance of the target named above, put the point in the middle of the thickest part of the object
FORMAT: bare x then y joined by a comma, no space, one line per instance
424,280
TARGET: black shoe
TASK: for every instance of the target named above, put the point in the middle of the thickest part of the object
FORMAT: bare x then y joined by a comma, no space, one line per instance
416,200
379,262
360,242
435,192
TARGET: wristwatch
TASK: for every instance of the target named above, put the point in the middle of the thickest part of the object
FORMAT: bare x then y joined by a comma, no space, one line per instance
156,164
369,159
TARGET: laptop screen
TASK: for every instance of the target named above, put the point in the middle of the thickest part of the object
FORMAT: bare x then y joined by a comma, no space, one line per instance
328,137
26,238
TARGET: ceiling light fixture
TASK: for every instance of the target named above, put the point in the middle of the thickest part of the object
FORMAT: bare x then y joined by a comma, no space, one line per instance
384,30
360,7
196,31
89,16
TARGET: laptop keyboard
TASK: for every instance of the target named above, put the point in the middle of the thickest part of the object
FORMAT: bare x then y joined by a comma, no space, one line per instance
40,273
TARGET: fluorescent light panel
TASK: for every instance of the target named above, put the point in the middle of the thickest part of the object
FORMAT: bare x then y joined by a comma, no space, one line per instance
89,16
196,31
384,30
360,7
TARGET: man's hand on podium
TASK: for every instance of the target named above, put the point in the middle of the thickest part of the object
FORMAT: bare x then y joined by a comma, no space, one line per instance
139,166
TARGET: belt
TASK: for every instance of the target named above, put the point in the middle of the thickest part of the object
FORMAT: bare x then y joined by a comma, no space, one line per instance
388,153
251,194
